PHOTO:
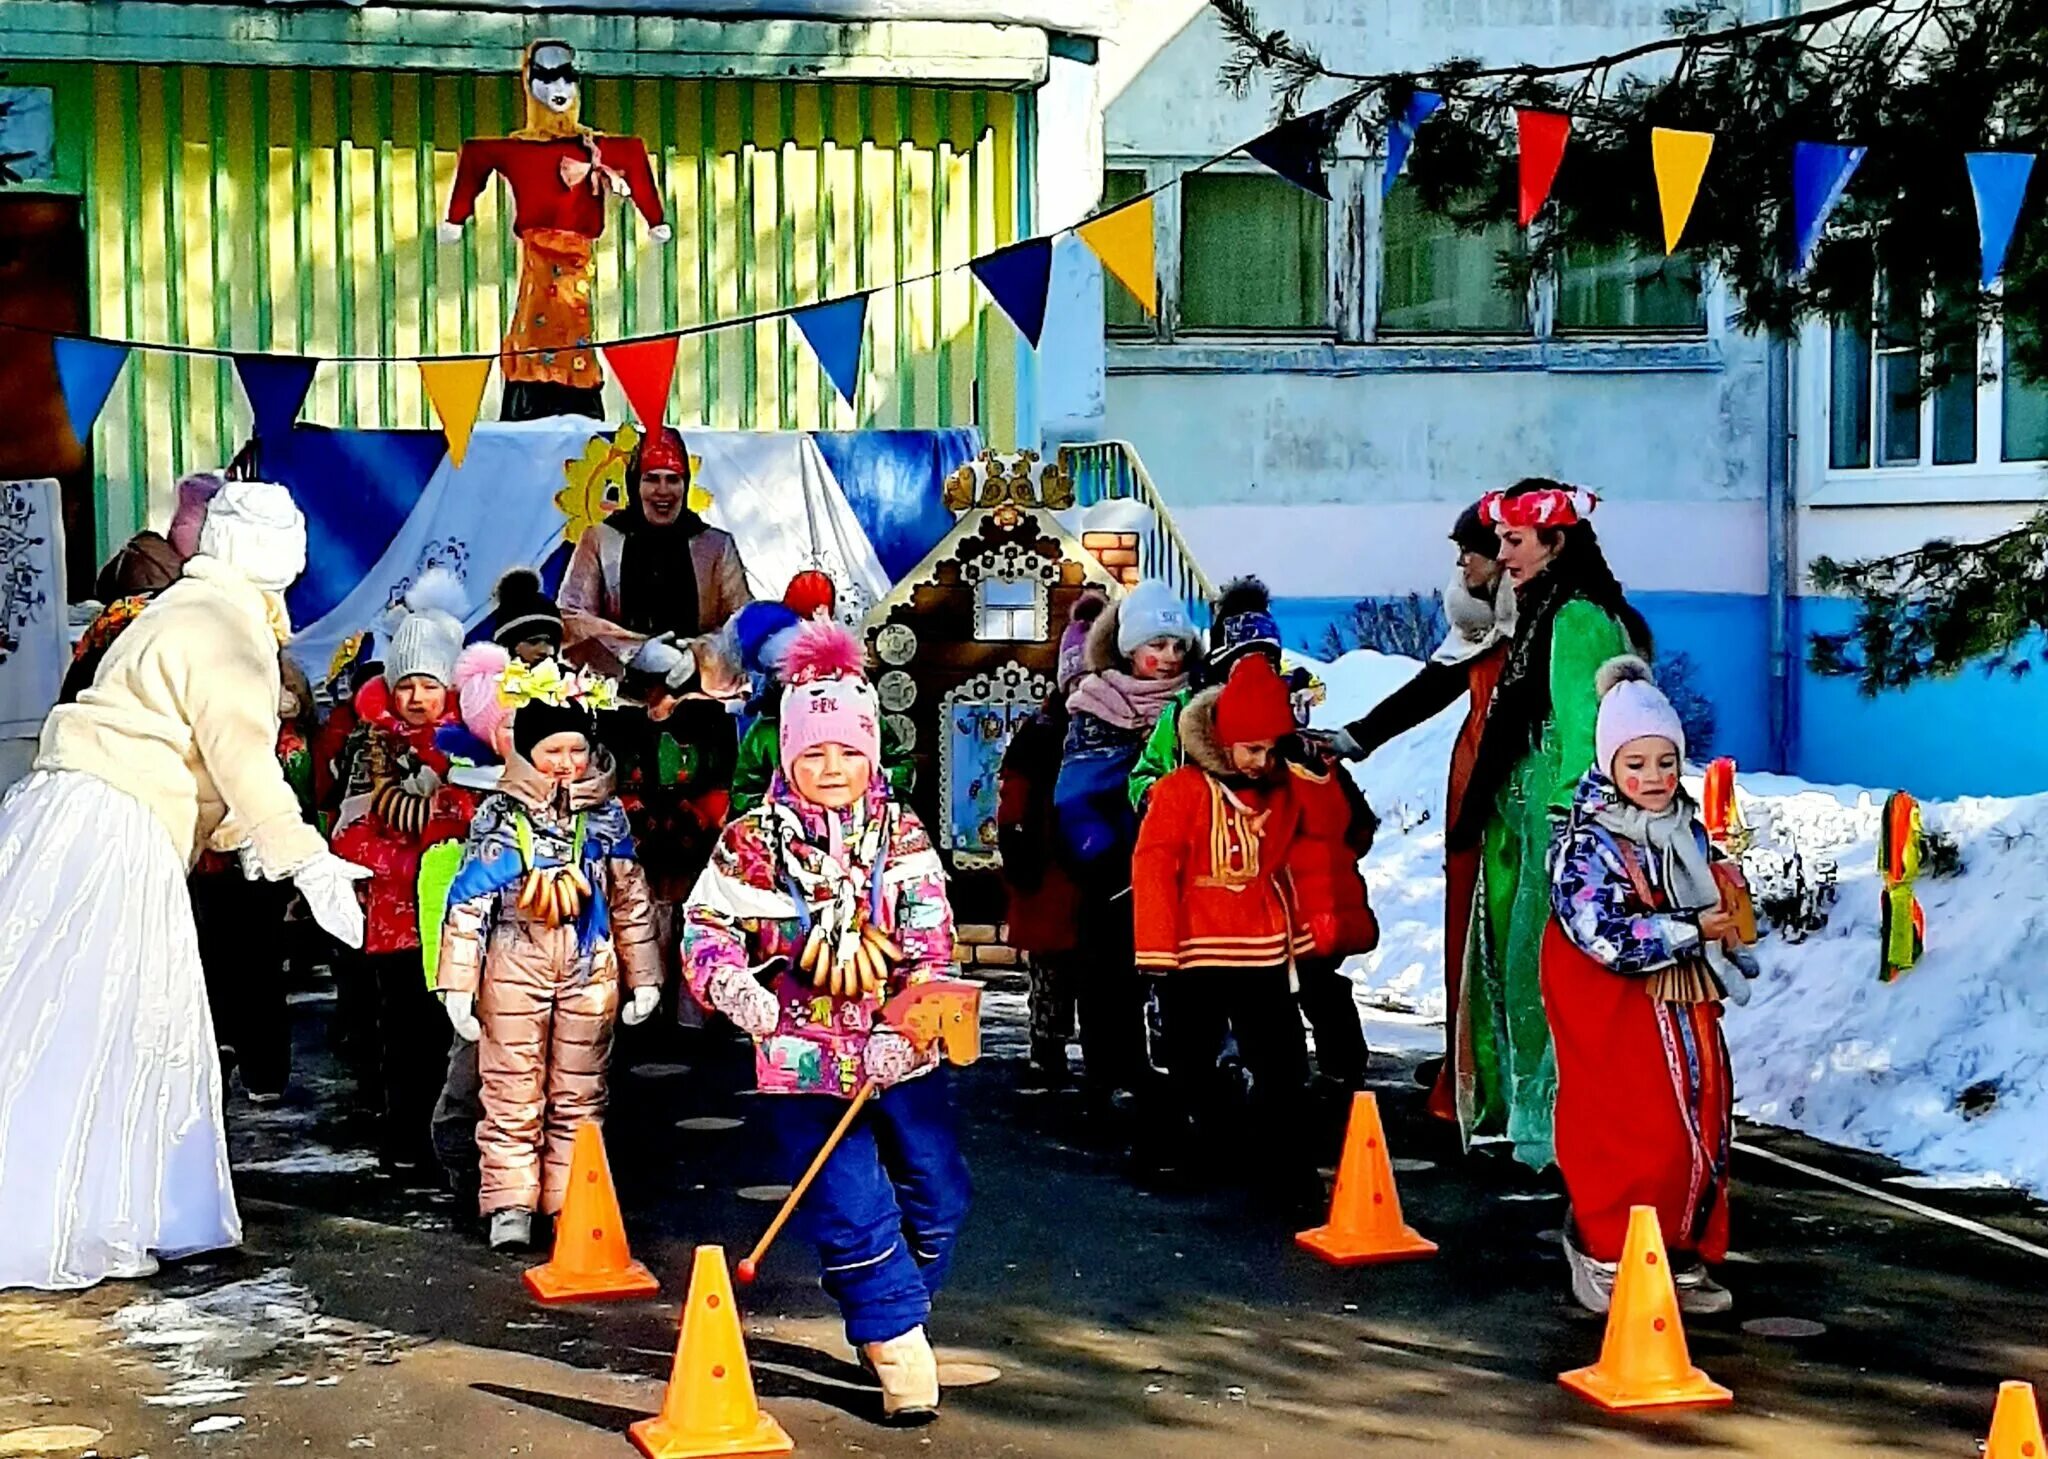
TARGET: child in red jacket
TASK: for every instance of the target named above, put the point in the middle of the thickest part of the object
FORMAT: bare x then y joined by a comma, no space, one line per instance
1215,914
395,803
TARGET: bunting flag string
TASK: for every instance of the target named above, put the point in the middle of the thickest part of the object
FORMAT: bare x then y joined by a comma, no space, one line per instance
1679,160
1296,148
1401,135
1998,182
1820,175
1540,137
86,370
455,388
645,369
1123,241
834,331
1018,278
276,386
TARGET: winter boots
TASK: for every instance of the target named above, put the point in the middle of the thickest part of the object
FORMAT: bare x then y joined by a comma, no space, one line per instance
909,1376
511,1229
1699,1295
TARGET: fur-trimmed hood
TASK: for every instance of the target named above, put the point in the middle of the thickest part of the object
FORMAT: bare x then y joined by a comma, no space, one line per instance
1198,732
1100,651
1477,621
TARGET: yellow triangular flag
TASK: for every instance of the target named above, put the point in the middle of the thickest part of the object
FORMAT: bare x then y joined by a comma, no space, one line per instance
456,388
1123,241
1680,161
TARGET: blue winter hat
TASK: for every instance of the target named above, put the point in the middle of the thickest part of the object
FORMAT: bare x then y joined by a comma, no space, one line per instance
1151,610
1243,633
752,629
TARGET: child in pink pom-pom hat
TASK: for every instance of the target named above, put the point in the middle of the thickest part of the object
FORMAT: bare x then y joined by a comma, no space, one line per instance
819,905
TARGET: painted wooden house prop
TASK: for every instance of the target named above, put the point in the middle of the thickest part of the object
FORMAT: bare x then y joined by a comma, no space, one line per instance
966,646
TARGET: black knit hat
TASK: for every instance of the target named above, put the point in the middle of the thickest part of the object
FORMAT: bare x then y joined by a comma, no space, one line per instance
536,719
524,611
1474,535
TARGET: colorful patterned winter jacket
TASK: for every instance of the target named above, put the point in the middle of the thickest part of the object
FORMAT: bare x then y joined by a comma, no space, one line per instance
743,916
1596,901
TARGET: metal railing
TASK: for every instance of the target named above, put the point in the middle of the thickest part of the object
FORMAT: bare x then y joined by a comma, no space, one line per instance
1111,471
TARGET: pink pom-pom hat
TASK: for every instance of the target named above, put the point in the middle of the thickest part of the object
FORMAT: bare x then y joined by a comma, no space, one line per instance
487,716
828,700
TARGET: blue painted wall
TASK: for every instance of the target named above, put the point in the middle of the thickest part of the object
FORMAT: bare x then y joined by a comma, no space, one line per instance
1977,733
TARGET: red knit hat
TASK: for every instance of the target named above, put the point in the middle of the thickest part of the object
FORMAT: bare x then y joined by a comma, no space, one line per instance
809,591
1253,704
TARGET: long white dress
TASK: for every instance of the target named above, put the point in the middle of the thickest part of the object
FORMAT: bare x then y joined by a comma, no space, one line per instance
112,1147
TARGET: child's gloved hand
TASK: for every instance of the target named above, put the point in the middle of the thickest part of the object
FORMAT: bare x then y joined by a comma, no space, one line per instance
462,1014
889,1057
640,1006
751,1007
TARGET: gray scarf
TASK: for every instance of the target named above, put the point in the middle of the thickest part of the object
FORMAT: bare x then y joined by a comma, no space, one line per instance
1683,872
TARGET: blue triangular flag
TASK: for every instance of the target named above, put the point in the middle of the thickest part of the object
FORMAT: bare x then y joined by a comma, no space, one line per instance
1999,182
834,330
1295,149
1401,135
276,386
85,375
1016,278
1820,175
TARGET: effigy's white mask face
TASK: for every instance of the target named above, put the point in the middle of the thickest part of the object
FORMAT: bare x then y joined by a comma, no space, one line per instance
555,92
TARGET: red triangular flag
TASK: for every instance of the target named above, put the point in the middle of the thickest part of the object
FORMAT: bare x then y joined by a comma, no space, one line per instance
645,369
1541,135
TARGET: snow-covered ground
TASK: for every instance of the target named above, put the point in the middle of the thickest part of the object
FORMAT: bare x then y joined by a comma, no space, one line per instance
1823,1046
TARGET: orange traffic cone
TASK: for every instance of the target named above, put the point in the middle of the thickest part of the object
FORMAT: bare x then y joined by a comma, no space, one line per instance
2015,1425
709,1408
1365,1210
591,1262
1643,1360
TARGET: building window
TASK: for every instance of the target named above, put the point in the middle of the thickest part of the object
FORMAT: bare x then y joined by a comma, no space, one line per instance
1438,279
1120,312
1892,405
1009,610
1254,254
2024,412
1624,287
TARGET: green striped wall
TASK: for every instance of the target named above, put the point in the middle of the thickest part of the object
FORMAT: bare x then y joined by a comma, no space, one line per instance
294,210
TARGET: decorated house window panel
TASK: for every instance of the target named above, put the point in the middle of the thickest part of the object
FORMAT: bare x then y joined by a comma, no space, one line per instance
1009,610
976,721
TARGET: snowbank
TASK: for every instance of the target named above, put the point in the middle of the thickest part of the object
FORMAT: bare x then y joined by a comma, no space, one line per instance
1823,1046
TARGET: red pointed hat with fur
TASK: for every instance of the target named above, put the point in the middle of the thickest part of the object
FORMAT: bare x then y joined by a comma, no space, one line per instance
827,699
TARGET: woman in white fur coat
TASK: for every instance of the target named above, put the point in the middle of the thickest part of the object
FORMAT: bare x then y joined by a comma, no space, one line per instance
112,1148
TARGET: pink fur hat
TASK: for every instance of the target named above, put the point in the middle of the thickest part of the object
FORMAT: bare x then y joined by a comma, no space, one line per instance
487,716
828,700
194,492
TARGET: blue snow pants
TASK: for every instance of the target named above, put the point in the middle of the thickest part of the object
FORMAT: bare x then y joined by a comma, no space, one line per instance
886,1209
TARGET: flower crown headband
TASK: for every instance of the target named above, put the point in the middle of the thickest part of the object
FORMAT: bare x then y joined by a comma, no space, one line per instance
545,683
1551,507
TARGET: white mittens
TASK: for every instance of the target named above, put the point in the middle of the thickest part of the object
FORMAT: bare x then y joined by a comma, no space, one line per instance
752,1008
462,1013
449,232
640,1006
661,233
329,886
889,1057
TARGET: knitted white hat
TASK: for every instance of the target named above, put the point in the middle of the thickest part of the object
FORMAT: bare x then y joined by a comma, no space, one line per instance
1632,707
427,635
255,528
1148,611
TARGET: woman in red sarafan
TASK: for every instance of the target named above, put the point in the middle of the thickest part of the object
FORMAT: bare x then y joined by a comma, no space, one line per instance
395,804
